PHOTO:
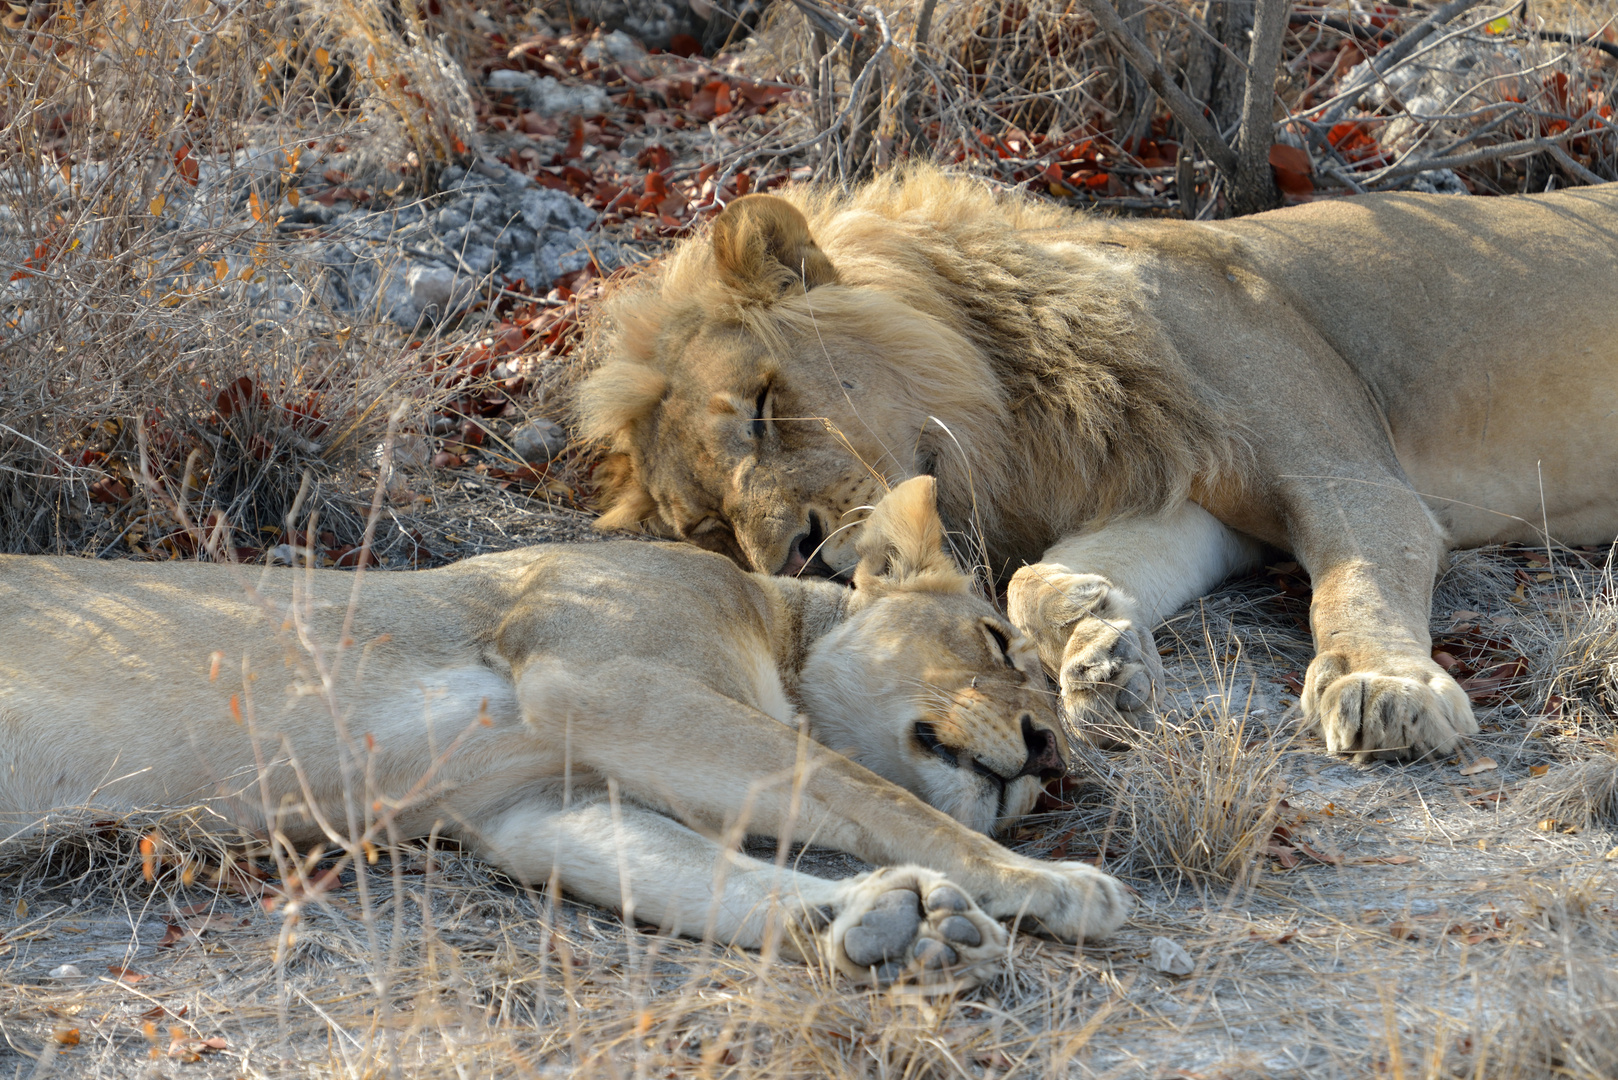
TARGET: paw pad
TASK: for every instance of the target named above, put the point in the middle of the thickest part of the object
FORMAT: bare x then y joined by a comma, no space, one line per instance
932,955
886,930
960,930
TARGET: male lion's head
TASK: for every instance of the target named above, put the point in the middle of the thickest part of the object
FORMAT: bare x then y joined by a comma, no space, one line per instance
757,401
928,685
772,378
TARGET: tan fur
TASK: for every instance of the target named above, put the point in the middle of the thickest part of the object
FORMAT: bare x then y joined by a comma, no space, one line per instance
1123,412
495,700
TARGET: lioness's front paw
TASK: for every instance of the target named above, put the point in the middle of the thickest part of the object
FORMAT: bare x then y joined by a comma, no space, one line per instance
1109,670
1069,901
908,922
1402,707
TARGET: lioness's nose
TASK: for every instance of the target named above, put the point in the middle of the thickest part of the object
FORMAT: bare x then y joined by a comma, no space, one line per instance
1044,751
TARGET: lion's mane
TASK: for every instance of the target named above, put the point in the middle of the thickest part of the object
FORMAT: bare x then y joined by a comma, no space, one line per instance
1064,401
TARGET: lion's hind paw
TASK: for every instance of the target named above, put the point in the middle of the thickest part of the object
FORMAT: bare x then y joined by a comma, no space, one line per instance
907,923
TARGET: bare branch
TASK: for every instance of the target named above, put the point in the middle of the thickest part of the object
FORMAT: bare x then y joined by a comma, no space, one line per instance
1392,56
1477,157
1186,110
1254,189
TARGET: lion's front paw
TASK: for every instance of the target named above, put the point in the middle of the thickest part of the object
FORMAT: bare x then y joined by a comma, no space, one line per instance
904,922
1396,707
1071,901
1109,670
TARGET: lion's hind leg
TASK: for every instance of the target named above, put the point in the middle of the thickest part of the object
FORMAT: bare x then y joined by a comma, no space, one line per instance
900,922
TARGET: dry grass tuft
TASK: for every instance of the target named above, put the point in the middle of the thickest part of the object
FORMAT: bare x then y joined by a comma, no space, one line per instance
1579,795
1201,798
1582,670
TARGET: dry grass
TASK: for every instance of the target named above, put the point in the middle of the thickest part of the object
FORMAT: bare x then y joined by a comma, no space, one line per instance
1442,932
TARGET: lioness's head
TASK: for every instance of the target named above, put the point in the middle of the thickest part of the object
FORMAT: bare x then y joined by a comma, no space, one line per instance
754,399
925,683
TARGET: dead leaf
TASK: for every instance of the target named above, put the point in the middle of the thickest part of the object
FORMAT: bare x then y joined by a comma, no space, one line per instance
183,1048
171,936
124,973
1325,857
1483,764
157,1012
1538,770
66,1036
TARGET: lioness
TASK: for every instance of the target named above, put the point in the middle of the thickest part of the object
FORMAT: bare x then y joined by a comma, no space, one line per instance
501,698
1127,412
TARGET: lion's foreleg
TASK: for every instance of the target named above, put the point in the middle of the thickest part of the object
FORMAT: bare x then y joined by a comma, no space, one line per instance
1372,552
674,744
1091,601
882,925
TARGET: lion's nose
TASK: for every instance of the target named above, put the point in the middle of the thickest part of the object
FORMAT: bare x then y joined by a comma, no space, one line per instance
1044,751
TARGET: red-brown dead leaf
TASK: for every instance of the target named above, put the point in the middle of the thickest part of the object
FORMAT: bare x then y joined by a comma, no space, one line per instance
171,936
158,1012
124,973
109,490
1292,169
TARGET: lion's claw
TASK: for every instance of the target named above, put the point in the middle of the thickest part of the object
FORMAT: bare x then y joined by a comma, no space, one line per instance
1110,670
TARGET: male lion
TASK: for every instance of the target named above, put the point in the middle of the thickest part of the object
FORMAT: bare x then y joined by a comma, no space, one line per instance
1125,412
501,698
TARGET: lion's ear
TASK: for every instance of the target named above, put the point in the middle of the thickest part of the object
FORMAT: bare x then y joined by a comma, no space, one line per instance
901,545
763,248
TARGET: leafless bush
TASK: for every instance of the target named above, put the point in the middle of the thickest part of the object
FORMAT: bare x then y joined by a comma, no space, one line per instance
168,372
1142,105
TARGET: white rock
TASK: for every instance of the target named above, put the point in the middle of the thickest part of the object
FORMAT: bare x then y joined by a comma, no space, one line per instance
1170,957
437,286
67,971
620,46
410,451
545,95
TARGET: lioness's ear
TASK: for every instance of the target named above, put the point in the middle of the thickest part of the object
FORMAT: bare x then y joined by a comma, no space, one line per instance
763,248
901,545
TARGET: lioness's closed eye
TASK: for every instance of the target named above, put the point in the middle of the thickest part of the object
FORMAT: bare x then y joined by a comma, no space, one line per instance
549,671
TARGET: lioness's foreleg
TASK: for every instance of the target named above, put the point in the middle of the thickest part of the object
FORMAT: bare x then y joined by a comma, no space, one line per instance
676,745
881,925
1091,601
1372,552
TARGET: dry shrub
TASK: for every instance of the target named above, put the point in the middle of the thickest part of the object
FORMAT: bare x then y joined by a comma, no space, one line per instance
168,371
1198,799
1029,92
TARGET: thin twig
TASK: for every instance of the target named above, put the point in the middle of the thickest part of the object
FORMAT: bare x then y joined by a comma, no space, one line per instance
1187,111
